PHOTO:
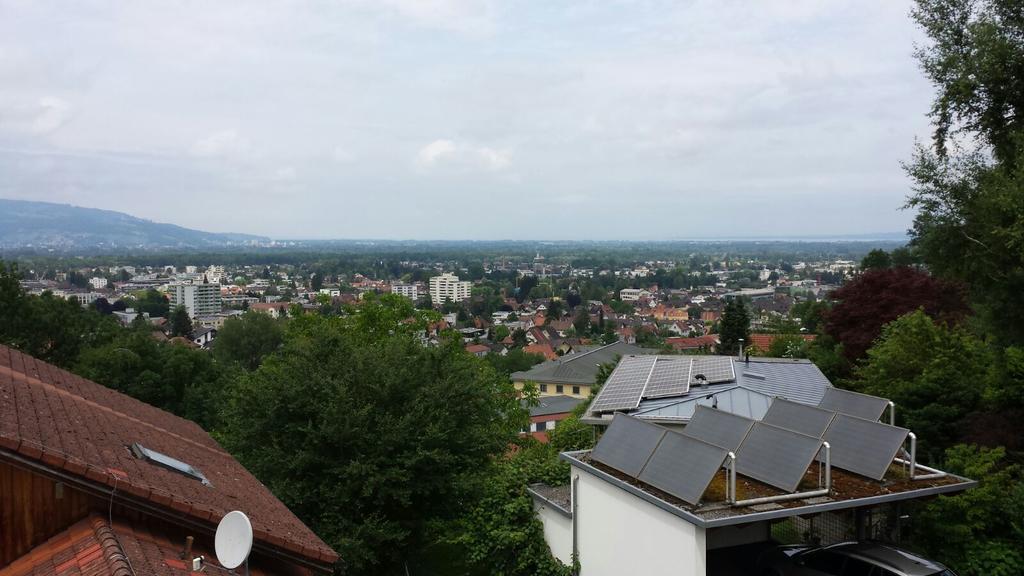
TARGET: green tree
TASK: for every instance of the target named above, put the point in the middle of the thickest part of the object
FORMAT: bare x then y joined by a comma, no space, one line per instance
555,309
875,259
978,531
934,374
180,322
245,340
153,303
500,332
370,437
735,325
970,200
582,321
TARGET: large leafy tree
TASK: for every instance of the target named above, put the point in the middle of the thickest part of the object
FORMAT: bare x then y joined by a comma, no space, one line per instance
369,436
968,186
935,374
978,531
878,297
247,339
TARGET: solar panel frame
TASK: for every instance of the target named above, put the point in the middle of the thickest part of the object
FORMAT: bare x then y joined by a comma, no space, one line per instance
625,386
718,427
670,377
716,369
863,446
628,444
809,420
683,466
853,403
776,456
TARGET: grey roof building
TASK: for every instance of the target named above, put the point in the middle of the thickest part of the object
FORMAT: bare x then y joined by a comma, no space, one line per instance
578,368
642,387
555,405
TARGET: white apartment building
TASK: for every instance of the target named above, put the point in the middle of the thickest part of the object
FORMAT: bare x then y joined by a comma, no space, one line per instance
447,286
200,299
632,294
98,283
215,274
410,291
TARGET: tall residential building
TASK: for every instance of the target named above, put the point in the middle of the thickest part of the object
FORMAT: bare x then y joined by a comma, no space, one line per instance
447,286
410,291
200,299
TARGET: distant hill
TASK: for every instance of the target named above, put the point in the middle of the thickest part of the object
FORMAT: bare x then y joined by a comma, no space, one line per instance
26,224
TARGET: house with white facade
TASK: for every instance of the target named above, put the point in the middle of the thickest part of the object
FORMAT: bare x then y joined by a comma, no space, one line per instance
724,458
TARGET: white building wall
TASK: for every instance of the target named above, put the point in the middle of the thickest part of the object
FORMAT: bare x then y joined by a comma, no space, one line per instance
619,533
557,531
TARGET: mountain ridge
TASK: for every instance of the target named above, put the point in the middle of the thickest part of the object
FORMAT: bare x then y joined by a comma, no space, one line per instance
34,224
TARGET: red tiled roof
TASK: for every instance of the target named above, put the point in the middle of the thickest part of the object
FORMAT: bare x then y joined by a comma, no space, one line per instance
81,428
680,343
764,341
94,547
544,350
474,348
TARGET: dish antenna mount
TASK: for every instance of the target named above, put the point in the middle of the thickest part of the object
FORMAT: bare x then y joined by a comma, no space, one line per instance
233,541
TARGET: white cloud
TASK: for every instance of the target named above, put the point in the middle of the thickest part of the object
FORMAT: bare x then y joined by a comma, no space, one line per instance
222,144
461,155
342,155
465,16
435,152
51,115
285,174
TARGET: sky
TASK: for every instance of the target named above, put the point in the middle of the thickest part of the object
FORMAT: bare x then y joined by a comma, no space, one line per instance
459,119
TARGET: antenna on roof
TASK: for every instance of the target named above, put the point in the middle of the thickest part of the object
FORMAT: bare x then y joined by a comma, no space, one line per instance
233,541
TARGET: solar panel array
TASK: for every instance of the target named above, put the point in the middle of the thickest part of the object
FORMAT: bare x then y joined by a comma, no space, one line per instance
798,417
714,368
628,444
718,427
853,403
670,377
683,466
863,446
625,387
776,456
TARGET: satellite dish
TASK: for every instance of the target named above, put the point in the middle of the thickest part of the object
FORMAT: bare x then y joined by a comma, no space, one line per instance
233,541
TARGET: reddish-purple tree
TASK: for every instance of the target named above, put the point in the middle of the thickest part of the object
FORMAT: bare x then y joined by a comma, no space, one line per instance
878,297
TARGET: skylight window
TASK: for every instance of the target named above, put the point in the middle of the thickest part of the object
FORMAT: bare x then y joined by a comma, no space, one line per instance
166,461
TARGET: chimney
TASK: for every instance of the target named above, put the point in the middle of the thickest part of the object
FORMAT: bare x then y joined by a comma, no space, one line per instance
741,348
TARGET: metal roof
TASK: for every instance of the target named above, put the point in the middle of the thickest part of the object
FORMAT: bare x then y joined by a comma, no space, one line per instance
734,399
758,379
579,368
555,405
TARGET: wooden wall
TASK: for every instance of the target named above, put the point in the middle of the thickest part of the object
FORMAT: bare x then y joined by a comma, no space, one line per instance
33,509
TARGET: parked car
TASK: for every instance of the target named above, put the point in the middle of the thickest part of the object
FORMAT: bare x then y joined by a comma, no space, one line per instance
848,559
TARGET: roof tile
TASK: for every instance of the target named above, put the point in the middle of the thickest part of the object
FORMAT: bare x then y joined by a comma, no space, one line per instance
70,423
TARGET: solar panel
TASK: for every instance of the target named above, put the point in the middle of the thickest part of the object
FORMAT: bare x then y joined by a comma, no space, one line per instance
670,377
853,403
862,446
627,444
718,427
683,466
625,385
715,368
798,417
776,456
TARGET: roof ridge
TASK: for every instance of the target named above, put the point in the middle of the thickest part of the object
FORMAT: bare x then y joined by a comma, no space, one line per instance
37,382
113,553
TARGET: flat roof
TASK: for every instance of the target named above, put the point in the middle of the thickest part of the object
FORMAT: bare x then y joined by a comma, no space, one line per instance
848,491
